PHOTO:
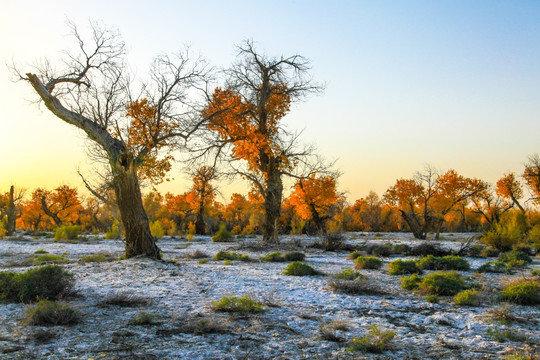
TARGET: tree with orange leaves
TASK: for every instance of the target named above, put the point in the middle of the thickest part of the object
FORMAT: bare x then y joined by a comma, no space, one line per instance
316,199
532,176
247,116
202,195
61,205
92,91
508,187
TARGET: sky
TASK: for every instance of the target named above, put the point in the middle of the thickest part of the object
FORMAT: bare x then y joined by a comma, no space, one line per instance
453,84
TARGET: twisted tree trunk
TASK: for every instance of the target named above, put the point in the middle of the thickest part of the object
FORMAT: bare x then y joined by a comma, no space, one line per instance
11,212
272,207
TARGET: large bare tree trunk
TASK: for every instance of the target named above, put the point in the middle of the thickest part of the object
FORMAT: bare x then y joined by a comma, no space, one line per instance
139,240
416,229
272,208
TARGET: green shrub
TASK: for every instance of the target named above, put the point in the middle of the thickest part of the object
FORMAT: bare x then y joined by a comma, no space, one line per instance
97,258
349,274
143,318
47,312
227,262
402,267
429,248
298,268
411,282
355,254
515,259
493,267
522,292
273,257
358,286
534,237
375,341
203,261
402,249
475,251
367,262
535,272
432,298
47,283
41,251
197,254
226,255
294,256
114,232
502,236
449,262
67,232
242,304
441,283
467,298
504,335
382,250
222,235
49,259
156,229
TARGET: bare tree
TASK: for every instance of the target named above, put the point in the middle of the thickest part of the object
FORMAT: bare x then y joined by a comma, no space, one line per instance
93,92
246,117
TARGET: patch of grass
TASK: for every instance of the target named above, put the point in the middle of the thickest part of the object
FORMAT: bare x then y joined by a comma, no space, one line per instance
376,341
222,235
226,255
200,325
349,274
43,283
355,254
504,335
143,318
402,267
227,262
41,251
124,299
402,249
429,248
411,282
442,283
203,261
238,304
535,272
197,254
522,292
330,331
468,298
367,262
49,259
273,257
98,258
67,232
47,313
431,298
298,268
382,250
449,262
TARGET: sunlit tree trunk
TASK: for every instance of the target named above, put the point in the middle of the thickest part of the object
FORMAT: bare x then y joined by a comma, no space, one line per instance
11,212
272,206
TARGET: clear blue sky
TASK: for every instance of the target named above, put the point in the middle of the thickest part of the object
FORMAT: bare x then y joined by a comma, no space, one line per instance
452,83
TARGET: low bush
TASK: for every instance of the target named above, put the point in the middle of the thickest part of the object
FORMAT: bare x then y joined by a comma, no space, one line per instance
401,249
402,267
475,251
535,272
298,268
433,299
114,232
367,262
98,258
67,232
348,274
222,235
238,304
493,267
515,259
43,283
333,241
41,251
355,254
46,313
441,283
49,259
522,292
490,253
504,335
358,286
197,254
468,298
198,325
504,235
375,341
534,237
294,256
143,318
124,299
382,250
229,255
428,248
411,282
448,262
273,257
